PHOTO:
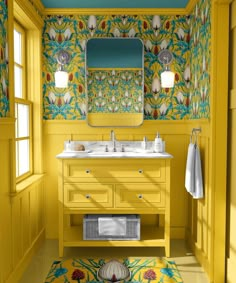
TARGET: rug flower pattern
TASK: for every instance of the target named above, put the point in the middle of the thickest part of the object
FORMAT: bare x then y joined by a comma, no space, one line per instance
145,270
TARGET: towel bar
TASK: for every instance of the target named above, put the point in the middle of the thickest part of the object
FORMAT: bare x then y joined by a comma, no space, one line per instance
195,132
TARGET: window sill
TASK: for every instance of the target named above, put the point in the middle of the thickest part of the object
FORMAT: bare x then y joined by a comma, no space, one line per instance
23,185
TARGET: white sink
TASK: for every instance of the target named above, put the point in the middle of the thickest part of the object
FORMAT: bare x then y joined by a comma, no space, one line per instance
112,153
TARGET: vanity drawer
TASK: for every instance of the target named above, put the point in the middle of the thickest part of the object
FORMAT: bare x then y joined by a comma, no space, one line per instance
88,195
140,195
118,168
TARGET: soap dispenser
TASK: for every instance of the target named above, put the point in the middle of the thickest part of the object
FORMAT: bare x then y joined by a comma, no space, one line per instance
158,144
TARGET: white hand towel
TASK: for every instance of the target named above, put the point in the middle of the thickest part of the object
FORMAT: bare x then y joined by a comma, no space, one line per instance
198,185
112,226
190,170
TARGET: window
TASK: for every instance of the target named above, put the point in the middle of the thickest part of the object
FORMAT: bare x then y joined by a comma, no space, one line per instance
23,107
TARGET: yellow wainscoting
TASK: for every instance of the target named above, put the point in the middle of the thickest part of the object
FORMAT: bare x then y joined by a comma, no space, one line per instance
7,126
21,214
190,219
200,226
175,133
27,218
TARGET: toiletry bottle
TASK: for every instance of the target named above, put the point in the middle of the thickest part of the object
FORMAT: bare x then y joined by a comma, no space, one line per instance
144,143
158,144
68,146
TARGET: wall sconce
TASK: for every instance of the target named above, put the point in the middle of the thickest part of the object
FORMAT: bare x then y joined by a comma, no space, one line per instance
61,76
167,77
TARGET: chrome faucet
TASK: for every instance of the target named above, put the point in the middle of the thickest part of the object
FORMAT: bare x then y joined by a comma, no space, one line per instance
113,140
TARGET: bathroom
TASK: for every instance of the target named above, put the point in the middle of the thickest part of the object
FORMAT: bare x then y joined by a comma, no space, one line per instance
196,34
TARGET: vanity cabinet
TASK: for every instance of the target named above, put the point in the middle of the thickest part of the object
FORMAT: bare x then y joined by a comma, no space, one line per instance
114,186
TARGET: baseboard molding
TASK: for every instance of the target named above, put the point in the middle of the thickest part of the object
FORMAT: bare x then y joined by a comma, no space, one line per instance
177,232
24,262
200,256
231,271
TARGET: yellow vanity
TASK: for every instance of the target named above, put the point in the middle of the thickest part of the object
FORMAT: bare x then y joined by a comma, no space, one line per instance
114,184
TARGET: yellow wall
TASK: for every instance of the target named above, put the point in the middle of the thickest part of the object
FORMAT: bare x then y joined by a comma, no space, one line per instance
231,212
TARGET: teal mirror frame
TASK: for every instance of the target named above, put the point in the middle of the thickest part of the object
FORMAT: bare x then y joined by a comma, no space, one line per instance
115,82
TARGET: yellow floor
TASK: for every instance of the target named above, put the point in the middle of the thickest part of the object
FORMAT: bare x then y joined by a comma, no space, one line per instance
190,270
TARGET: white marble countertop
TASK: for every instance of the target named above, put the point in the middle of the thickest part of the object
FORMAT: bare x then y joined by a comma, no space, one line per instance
68,154
97,149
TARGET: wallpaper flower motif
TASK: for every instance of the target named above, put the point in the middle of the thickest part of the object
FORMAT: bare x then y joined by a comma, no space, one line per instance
187,37
4,80
113,90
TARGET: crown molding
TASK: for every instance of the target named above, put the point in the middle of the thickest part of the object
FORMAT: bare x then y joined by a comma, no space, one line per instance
222,2
190,6
39,5
25,11
114,11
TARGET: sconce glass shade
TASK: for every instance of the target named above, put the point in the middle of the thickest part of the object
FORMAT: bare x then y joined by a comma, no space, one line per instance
167,79
61,79
61,76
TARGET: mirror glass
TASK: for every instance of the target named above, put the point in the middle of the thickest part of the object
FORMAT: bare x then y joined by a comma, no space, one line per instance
115,78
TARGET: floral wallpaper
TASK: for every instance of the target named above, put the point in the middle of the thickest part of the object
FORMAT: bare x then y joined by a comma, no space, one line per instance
4,95
118,91
187,37
200,46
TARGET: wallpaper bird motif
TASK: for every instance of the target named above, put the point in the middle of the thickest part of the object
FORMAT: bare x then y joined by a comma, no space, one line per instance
4,79
187,37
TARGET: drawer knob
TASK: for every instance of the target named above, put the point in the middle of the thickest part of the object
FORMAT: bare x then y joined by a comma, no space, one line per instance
88,196
87,171
140,196
140,171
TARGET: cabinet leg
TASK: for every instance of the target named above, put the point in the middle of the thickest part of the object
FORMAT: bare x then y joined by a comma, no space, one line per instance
61,251
167,250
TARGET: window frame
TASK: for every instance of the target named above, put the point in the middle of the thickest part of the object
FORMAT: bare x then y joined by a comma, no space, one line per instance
24,101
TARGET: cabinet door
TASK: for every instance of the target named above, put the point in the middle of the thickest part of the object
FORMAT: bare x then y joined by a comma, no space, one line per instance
137,195
88,195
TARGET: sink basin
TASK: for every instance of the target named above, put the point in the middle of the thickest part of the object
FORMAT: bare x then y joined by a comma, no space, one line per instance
112,154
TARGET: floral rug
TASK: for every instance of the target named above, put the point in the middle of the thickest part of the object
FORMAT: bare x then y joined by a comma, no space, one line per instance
124,270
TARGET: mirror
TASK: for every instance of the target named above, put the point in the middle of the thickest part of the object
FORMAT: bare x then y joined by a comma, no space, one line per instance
115,78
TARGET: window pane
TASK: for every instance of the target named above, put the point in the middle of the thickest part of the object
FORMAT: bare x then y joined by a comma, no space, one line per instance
17,47
18,82
16,116
23,157
22,119
17,160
